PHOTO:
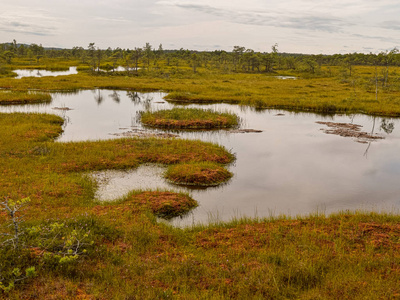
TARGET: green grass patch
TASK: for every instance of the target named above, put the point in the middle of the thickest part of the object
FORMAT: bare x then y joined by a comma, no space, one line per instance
23,97
189,118
198,174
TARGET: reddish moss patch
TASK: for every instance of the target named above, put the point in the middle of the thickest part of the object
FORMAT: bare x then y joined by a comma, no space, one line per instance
165,205
201,174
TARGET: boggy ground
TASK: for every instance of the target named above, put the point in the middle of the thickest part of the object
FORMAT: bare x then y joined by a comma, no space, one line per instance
326,92
134,256
35,165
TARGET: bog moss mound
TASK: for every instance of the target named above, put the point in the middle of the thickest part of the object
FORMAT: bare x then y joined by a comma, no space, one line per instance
189,118
198,174
165,205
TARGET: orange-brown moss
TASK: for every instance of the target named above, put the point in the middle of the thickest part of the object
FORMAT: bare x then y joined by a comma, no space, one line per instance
163,204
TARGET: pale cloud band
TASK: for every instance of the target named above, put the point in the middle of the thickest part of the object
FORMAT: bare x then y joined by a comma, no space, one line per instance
307,26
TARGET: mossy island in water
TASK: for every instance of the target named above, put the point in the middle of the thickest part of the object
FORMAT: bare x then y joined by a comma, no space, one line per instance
198,174
189,118
23,97
163,204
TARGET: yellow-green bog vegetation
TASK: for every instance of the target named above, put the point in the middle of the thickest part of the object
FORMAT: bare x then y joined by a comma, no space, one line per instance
70,246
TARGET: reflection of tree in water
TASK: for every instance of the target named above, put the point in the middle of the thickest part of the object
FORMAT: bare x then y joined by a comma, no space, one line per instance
137,99
67,120
147,102
366,150
134,96
98,97
387,126
135,121
115,96
372,132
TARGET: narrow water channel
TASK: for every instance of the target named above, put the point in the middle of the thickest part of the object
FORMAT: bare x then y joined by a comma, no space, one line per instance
292,167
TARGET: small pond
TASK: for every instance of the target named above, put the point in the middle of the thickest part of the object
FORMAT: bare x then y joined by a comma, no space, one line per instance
41,73
286,77
291,167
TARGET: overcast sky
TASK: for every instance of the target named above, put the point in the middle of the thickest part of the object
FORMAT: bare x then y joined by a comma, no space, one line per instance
298,26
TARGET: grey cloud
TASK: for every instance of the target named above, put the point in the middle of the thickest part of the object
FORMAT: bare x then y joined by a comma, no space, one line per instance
18,24
25,21
270,18
316,23
380,38
119,20
204,9
26,28
394,25
28,32
207,46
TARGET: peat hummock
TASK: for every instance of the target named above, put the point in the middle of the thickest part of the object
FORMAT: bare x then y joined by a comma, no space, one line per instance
198,174
190,118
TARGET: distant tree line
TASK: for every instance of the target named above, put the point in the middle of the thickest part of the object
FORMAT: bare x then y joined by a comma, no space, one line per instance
240,59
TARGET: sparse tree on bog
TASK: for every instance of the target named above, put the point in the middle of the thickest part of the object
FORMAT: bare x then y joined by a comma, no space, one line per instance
148,54
92,56
237,55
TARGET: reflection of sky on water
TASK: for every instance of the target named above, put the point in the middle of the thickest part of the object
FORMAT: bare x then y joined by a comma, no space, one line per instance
292,167
42,73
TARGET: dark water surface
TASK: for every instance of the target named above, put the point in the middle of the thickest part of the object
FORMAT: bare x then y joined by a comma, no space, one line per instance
292,167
